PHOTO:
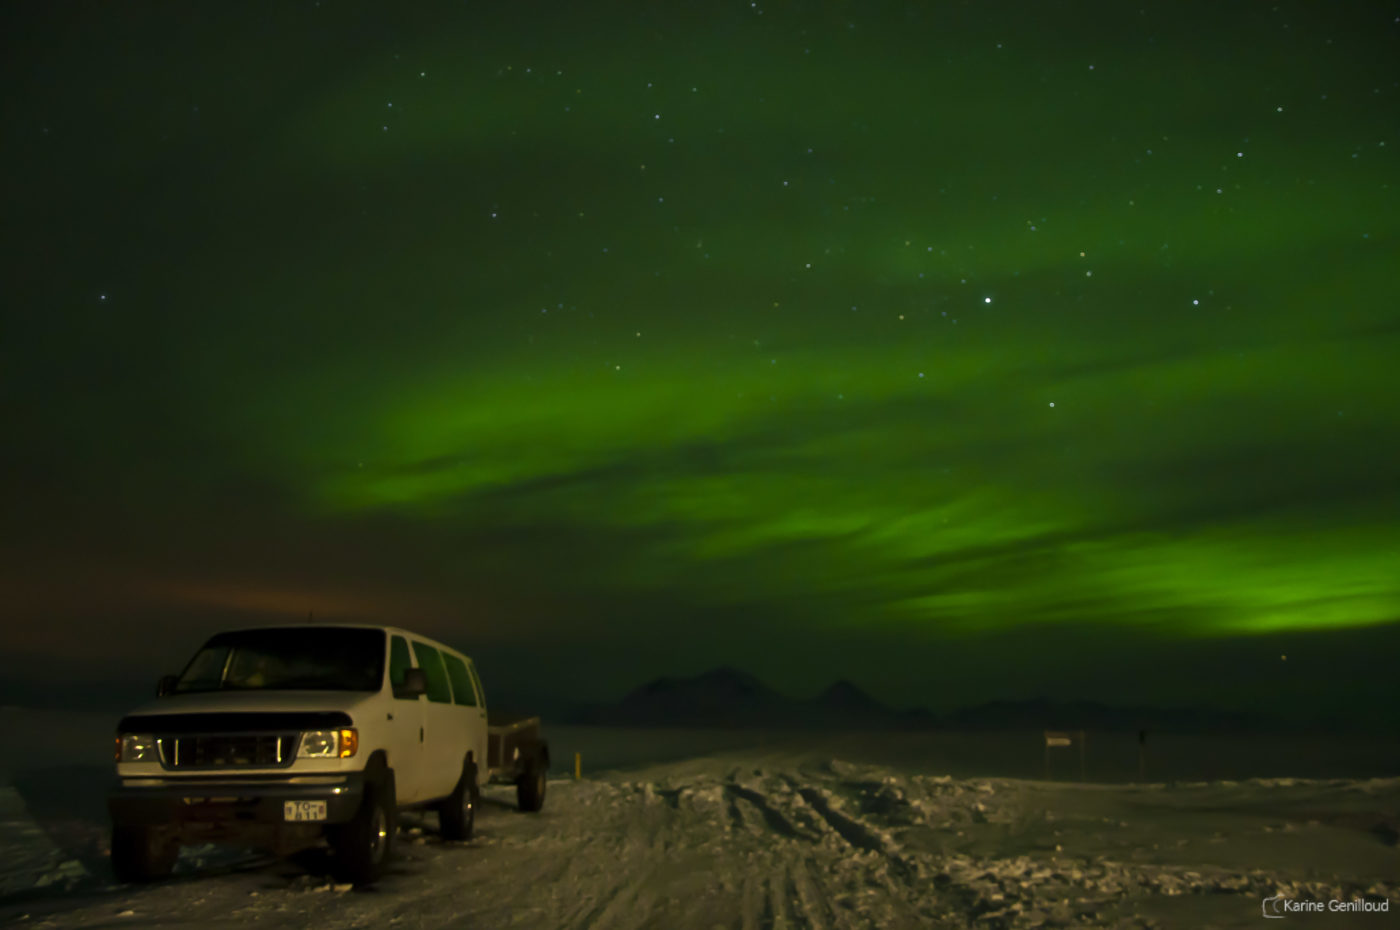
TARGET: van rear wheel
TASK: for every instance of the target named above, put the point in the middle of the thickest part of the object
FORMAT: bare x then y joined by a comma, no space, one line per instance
142,853
457,812
530,788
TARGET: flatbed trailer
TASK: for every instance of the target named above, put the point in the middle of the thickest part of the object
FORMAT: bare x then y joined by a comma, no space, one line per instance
516,754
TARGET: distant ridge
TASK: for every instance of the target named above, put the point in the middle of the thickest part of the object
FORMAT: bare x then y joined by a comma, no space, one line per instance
729,698
722,697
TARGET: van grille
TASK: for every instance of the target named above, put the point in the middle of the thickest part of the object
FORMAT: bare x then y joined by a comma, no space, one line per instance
228,750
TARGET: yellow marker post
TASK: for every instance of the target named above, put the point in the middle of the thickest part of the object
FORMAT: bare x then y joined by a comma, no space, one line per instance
578,766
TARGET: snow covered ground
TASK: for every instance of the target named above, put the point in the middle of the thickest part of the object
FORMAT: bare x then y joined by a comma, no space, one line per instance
781,835
704,829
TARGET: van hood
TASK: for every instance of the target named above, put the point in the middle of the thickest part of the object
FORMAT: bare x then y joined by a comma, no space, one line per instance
247,710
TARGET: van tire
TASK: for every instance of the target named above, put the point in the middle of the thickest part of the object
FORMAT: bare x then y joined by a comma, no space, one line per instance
530,787
363,845
142,854
457,812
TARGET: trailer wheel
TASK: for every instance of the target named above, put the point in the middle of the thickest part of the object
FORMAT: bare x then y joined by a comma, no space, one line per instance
530,787
363,844
142,854
457,813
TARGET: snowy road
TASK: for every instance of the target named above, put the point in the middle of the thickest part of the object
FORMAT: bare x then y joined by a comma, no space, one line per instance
759,841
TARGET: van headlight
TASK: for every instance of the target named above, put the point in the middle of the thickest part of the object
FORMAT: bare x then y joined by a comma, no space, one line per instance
329,744
137,747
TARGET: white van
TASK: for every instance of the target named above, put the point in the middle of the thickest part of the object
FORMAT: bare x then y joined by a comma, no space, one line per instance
280,737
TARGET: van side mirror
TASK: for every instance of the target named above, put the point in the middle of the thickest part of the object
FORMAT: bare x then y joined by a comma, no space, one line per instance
415,682
166,685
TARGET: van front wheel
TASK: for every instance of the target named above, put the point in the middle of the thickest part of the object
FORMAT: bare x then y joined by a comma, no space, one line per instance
363,844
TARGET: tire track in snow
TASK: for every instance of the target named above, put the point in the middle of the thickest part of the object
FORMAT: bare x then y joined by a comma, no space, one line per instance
751,910
788,895
615,892
853,831
808,897
736,820
817,910
625,906
879,867
594,909
641,841
782,907
773,819
788,889
774,915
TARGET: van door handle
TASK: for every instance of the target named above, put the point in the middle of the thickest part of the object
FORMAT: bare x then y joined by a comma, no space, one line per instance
420,734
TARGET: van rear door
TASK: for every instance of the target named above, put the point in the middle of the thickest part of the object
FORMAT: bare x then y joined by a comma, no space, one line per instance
446,726
466,695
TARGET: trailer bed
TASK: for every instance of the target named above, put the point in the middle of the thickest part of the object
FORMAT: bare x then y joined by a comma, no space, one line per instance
511,741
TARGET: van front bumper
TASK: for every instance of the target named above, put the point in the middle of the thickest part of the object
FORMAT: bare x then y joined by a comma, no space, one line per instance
230,799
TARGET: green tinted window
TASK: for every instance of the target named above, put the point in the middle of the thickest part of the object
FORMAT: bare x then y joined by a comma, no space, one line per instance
431,664
462,692
399,662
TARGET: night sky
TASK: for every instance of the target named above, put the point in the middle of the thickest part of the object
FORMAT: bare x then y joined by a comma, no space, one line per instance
965,350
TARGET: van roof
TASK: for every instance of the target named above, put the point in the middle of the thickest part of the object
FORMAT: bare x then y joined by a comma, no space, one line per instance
391,630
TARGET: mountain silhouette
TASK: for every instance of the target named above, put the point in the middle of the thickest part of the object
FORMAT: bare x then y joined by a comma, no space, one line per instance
719,697
729,698
846,697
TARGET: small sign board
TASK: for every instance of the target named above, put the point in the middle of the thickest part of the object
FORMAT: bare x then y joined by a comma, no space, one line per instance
1063,739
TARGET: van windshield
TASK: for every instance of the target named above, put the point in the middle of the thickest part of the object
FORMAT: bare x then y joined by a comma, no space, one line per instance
293,658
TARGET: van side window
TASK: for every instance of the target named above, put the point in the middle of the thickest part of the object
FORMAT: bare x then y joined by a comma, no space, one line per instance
399,662
462,692
480,692
431,664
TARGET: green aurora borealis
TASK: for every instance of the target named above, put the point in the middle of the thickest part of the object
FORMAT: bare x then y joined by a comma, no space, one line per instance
966,350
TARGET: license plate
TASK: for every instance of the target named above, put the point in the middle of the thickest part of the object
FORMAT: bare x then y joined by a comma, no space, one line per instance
303,810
